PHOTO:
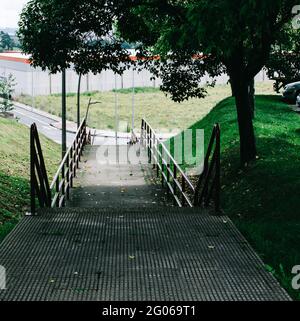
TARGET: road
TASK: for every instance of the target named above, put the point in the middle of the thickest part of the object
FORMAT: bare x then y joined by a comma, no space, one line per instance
43,123
27,117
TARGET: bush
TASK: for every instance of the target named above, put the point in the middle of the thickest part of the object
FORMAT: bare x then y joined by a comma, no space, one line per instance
6,90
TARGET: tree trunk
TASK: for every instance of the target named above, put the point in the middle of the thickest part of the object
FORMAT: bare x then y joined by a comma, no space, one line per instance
252,97
244,113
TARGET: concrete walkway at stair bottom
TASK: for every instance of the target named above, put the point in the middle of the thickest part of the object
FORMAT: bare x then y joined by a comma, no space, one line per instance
116,185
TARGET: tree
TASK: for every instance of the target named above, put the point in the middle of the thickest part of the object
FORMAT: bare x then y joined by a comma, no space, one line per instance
283,65
6,42
6,90
72,33
234,35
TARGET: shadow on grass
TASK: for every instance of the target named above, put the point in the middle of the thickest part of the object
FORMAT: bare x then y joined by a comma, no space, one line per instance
14,201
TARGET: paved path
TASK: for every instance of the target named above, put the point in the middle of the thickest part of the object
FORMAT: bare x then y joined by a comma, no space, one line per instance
122,185
122,242
150,254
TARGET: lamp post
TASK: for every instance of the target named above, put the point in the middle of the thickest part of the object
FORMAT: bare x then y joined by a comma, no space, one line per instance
63,114
133,101
78,101
116,111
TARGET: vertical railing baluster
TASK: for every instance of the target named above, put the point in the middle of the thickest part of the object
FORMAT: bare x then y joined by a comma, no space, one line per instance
68,178
71,167
218,170
142,128
168,177
57,191
162,169
157,157
63,185
32,171
174,181
183,191
150,155
76,154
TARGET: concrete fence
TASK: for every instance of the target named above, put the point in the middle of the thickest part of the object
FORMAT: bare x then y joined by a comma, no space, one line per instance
35,82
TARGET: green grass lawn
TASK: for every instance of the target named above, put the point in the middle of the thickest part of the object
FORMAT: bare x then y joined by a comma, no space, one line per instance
14,171
263,199
159,110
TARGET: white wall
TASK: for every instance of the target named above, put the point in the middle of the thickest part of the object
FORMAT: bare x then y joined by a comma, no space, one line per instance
35,82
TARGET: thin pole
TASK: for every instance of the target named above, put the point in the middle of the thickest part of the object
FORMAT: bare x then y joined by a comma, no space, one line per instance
78,101
32,90
116,111
50,84
63,113
133,101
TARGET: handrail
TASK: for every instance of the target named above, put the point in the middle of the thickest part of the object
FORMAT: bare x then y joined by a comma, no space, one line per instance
63,179
39,184
211,173
58,192
170,170
66,155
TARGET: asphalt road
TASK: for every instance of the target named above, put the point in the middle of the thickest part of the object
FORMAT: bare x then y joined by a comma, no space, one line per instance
43,123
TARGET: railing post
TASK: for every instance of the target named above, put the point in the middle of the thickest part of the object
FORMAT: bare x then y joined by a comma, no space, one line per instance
57,191
74,159
218,171
174,182
148,142
157,157
32,171
63,192
68,177
183,191
71,163
162,171
142,132
150,150
168,176
77,156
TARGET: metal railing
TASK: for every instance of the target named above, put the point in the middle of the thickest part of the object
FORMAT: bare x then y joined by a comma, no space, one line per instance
209,186
176,180
39,184
58,192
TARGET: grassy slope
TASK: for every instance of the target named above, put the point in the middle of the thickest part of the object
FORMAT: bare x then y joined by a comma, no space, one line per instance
264,199
14,171
159,110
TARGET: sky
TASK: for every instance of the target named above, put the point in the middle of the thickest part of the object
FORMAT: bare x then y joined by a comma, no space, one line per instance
10,11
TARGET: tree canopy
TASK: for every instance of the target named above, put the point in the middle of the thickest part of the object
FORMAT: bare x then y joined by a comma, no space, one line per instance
283,65
190,38
231,36
72,33
6,42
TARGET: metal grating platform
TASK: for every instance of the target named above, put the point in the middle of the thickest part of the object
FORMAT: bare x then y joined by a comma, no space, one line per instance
115,254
